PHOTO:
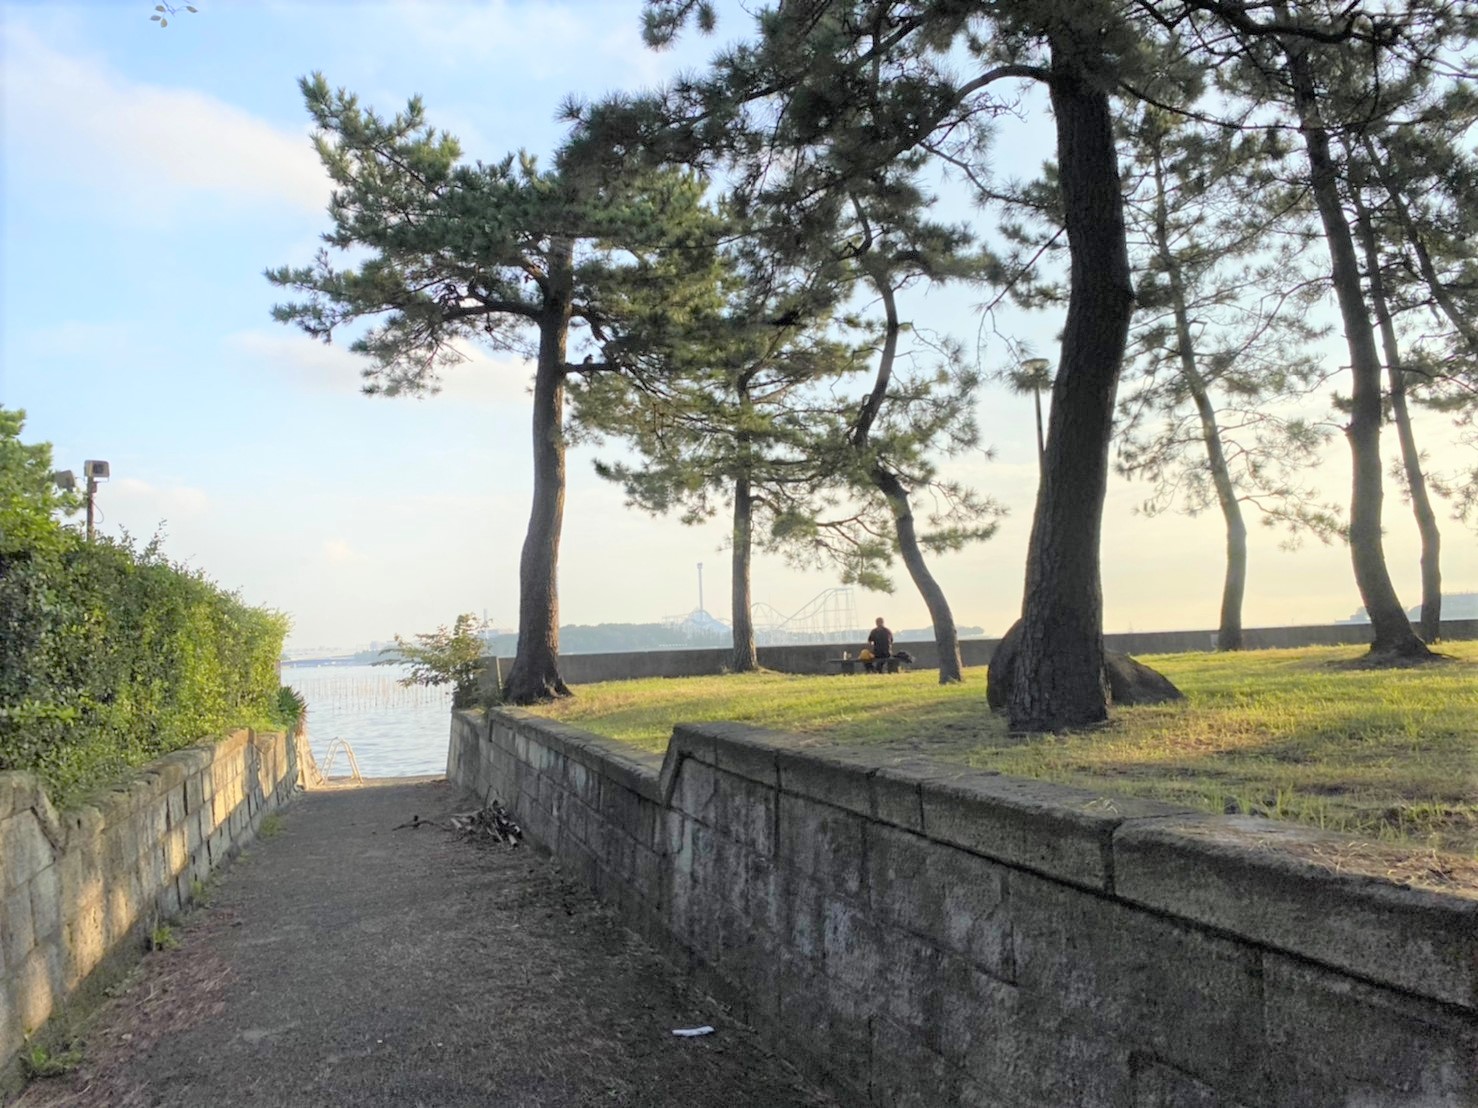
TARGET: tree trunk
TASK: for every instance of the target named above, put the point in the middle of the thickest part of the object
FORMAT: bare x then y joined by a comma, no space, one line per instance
946,638
534,675
1234,582
1393,635
1059,679
1411,460
745,658
1041,438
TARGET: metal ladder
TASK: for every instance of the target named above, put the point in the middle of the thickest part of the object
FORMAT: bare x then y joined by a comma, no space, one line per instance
334,749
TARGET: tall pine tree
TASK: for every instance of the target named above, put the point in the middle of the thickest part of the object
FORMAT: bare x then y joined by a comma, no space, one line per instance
508,255
1219,350
726,416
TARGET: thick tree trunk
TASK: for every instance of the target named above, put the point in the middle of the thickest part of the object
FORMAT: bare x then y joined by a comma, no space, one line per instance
1059,679
534,675
1393,635
1411,459
946,638
745,658
1234,582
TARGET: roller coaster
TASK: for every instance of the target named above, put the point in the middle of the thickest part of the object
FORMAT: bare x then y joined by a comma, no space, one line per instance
829,616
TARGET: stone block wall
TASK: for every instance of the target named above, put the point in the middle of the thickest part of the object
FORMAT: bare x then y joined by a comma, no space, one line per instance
84,885
916,934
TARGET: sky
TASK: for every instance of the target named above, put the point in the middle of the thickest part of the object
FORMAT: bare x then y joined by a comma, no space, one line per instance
150,176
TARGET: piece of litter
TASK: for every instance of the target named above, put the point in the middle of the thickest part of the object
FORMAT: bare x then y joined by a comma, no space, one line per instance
692,1032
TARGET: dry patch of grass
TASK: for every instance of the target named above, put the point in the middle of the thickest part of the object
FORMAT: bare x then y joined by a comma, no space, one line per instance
1388,755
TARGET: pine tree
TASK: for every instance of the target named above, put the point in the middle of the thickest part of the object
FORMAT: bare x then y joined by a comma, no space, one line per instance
509,255
1407,187
864,84
726,417
907,419
1219,348
1304,66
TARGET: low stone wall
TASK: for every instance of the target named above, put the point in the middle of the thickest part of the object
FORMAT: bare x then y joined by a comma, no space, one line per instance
914,934
85,886
586,669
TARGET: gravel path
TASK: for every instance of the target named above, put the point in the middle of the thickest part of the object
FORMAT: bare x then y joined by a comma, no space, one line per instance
341,962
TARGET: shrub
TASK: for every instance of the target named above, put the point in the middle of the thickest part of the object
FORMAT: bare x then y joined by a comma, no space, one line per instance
109,654
443,657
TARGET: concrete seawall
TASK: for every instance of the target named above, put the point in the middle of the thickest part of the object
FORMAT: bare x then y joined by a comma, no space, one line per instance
83,888
912,933
586,669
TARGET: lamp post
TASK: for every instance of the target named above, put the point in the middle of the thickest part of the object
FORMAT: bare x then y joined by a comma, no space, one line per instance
95,471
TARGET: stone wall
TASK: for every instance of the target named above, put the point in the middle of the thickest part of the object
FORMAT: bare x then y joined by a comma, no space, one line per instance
585,669
918,934
84,887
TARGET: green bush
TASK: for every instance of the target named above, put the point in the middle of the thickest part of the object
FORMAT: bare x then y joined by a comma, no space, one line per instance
443,657
109,654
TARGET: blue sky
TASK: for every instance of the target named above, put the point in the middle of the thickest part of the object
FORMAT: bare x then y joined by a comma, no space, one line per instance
150,176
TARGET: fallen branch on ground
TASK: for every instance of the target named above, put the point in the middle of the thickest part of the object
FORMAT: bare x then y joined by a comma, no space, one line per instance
491,821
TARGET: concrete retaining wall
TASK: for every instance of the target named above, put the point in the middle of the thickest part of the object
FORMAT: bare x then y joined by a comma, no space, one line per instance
86,885
586,669
916,935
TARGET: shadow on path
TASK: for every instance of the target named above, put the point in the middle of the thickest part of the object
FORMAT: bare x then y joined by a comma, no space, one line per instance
343,963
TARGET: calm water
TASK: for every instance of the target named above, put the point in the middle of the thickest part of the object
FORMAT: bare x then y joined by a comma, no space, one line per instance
395,731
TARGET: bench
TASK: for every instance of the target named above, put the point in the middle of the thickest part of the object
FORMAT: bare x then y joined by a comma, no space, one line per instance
891,664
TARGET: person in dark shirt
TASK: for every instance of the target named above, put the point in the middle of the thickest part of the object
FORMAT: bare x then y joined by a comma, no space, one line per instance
880,639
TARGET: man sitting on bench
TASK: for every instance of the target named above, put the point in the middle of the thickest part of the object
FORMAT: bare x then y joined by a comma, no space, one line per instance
880,642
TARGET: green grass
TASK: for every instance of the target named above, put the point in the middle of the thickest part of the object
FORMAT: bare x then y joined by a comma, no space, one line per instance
163,938
39,1061
1389,755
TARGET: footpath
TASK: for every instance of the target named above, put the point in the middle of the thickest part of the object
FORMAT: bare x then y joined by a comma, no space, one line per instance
342,962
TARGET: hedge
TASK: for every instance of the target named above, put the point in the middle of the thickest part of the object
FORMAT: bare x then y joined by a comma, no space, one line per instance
111,656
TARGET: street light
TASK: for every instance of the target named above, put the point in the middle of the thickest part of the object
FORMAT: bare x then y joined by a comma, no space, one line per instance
95,471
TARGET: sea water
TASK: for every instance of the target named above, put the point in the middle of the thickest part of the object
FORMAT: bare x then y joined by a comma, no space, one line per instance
395,731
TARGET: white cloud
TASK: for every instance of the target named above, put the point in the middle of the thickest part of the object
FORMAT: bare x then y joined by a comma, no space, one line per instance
482,380
77,119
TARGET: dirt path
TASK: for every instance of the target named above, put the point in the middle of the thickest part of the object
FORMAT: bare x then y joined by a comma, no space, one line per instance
343,963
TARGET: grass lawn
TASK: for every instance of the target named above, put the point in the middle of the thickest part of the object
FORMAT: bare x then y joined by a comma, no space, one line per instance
1388,755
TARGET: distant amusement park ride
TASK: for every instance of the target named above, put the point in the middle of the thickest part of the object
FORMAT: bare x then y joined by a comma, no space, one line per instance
829,616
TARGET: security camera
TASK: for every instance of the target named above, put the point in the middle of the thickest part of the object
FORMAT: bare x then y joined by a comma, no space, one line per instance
98,471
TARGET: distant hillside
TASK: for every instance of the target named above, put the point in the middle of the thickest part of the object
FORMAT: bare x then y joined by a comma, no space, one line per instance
1460,605
612,638
692,634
